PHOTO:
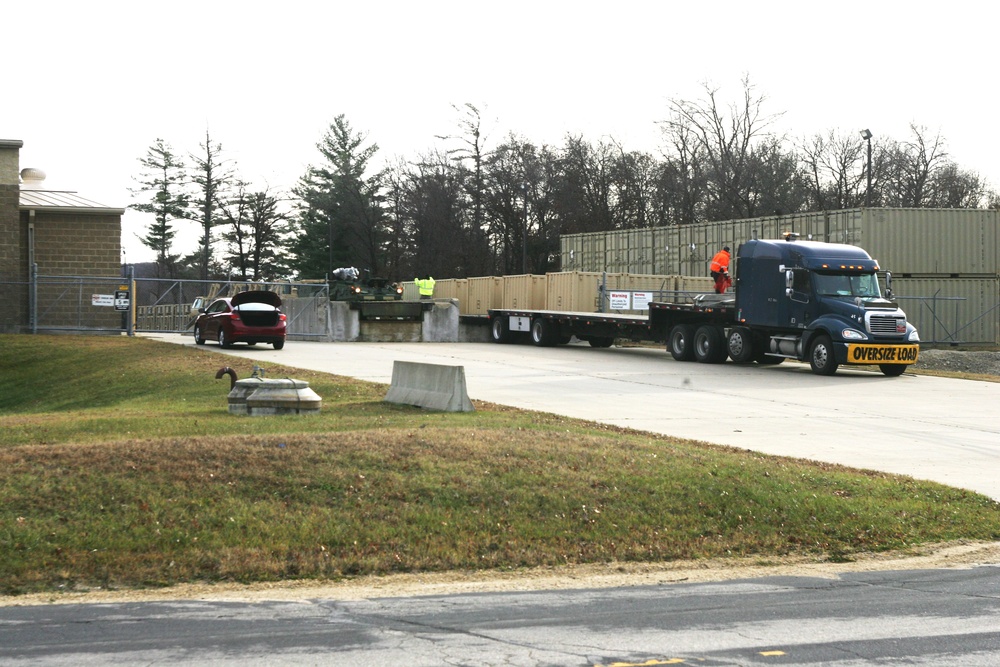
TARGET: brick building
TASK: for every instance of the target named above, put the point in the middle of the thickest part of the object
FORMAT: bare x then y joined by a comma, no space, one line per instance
59,233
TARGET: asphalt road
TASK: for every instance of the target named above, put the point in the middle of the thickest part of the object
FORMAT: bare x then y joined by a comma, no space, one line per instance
930,428
918,617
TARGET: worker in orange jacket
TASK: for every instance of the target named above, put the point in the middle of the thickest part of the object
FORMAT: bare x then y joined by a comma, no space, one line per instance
719,268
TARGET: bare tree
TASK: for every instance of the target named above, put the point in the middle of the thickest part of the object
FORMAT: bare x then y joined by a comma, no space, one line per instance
833,165
726,144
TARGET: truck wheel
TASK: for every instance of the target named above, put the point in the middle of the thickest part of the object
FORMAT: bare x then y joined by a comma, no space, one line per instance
822,358
543,332
601,341
740,345
892,370
679,343
500,329
709,345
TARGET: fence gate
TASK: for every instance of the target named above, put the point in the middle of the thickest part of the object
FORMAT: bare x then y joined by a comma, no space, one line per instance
80,304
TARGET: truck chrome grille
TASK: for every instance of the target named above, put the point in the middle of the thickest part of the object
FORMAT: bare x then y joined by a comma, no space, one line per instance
886,325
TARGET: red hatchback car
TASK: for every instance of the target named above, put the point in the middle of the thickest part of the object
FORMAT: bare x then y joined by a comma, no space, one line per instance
249,317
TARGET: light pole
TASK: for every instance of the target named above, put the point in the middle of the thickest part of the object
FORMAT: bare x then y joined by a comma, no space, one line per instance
867,136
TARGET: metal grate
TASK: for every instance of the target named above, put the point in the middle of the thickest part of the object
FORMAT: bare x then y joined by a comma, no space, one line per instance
885,325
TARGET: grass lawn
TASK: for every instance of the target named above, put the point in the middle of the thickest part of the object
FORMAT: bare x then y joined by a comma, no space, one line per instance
123,468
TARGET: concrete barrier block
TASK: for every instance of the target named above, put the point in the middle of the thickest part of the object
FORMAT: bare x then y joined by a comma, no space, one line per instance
431,386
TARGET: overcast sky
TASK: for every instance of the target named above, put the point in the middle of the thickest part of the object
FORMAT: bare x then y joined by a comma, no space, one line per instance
91,85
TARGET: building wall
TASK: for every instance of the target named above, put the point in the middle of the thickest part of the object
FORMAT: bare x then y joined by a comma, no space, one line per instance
13,296
9,193
76,244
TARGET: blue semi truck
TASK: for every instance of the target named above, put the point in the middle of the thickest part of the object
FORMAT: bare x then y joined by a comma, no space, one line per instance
815,302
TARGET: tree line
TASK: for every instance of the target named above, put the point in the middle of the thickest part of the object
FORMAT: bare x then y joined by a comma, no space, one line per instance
469,208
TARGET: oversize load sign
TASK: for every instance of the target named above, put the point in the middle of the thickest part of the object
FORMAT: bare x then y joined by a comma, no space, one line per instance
882,354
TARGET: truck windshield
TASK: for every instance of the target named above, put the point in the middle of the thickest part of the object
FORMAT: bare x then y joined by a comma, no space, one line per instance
864,285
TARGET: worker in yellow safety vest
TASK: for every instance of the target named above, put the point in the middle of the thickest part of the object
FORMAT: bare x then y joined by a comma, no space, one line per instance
425,286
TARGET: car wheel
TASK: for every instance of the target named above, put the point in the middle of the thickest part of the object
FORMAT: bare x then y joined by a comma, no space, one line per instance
602,341
740,345
199,336
709,345
822,359
278,344
892,370
223,340
679,343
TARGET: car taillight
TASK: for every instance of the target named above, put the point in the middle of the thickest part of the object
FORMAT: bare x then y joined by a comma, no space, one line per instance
282,317
234,316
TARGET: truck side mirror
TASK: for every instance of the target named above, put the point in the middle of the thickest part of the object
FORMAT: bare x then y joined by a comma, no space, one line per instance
888,285
789,281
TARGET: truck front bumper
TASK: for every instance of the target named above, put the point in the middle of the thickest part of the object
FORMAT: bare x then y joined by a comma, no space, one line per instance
877,353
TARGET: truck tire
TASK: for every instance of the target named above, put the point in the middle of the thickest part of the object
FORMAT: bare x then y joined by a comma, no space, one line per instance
500,329
740,344
892,370
601,341
822,358
709,345
679,343
544,333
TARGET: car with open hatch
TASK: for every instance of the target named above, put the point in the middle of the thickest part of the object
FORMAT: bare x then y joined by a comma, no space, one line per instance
248,317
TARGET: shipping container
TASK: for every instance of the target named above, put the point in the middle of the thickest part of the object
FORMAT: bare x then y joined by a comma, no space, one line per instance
484,293
577,291
456,288
948,242
524,291
928,242
951,310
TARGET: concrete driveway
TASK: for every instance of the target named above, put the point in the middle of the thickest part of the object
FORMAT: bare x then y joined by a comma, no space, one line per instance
930,428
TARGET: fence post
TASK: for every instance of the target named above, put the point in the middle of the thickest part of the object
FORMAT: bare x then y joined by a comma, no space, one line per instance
130,276
34,298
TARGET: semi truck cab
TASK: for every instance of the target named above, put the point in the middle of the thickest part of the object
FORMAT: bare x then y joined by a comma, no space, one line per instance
821,303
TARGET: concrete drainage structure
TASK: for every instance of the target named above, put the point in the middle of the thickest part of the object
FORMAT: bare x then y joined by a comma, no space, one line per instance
257,396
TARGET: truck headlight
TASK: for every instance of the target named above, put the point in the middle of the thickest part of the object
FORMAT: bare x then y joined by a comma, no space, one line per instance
853,334
914,337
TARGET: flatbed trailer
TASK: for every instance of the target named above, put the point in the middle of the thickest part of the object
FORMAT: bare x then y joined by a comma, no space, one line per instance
814,302
550,327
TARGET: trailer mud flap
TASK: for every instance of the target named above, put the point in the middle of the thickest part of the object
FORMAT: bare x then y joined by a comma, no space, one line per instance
882,354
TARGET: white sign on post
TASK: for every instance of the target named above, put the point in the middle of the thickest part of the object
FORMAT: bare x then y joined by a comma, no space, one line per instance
620,300
102,300
640,300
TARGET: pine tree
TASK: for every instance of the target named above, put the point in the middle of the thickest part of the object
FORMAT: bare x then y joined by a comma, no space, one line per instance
341,220
162,179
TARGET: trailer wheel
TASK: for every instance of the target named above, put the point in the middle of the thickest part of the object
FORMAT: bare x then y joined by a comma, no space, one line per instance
740,344
500,329
544,333
601,341
822,359
679,343
710,345
892,370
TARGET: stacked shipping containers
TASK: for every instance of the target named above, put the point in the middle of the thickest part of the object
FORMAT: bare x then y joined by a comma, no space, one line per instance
945,262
